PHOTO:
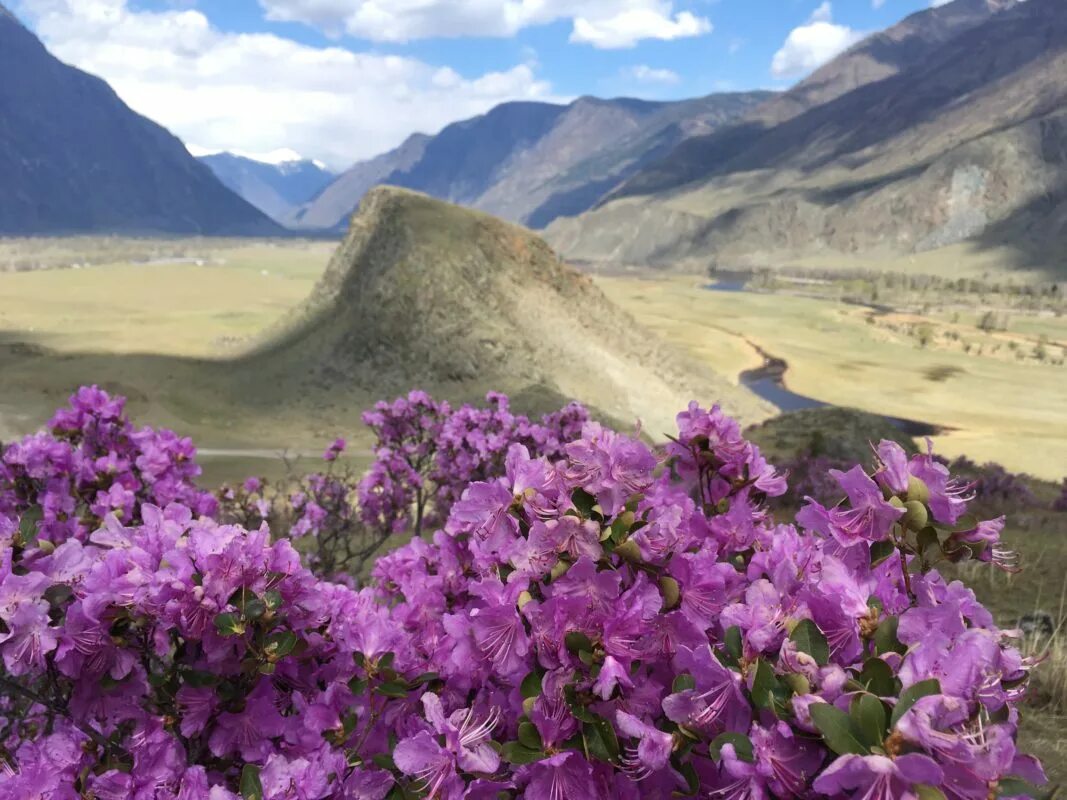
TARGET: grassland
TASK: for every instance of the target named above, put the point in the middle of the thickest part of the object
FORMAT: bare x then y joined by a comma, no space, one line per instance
157,321
993,409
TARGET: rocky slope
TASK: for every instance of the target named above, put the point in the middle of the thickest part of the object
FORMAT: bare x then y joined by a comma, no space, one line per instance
531,162
958,137
276,189
75,158
424,293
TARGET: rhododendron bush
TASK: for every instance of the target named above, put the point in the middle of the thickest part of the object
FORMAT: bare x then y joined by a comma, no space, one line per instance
581,617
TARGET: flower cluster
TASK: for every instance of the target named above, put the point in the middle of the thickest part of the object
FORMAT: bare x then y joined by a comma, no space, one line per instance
427,453
598,621
92,463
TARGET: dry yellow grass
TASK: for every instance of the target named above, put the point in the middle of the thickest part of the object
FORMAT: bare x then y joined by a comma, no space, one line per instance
181,309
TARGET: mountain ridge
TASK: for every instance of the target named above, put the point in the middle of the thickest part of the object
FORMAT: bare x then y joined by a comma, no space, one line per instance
946,151
531,161
75,158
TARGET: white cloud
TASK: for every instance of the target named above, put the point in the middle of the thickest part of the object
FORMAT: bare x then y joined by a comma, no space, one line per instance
642,73
811,45
258,93
602,23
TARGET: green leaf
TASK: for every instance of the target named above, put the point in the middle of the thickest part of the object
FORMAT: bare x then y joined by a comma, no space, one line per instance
926,792
885,637
583,501
882,551
576,642
877,678
600,740
28,524
838,730
683,683
869,716
255,608
518,753
928,540
763,685
692,780
1018,787
911,696
809,639
357,685
58,594
279,645
251,787
529,736
742,746
229,624
395,689
423,679
383,760
530,686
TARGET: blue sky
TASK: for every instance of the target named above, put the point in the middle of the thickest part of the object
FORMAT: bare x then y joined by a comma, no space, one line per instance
341,80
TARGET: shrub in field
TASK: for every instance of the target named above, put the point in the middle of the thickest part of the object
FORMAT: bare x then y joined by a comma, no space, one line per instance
600,621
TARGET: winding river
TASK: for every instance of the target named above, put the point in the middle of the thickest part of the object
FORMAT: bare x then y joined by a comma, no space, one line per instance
768,379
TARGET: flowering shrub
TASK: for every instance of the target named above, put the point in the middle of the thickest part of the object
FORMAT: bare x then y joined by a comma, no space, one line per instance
426,454
1060,503
607,622
91,463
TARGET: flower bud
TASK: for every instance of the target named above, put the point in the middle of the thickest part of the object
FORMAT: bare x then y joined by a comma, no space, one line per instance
797,682
629,551
918,490
671,591
915,515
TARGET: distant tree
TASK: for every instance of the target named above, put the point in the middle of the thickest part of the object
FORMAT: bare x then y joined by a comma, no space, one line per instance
925,334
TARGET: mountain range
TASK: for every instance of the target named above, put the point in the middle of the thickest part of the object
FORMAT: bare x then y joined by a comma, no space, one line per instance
277,188
532,162
949,129
74,157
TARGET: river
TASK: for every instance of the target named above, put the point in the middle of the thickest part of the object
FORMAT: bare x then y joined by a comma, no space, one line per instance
768,380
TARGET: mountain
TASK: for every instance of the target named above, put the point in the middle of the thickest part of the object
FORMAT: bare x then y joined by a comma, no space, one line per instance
75,158
531,162
276,189
331,207
424,293
948,129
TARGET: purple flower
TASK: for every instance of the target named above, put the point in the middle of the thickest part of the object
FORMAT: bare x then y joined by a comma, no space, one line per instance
653,750
869,518
879,777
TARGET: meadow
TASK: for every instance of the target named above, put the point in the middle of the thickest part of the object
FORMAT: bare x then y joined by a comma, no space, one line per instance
991,407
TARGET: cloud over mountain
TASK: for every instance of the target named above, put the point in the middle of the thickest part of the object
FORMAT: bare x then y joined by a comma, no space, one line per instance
258,91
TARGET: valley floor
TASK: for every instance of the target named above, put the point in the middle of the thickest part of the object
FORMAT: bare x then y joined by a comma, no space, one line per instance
992,408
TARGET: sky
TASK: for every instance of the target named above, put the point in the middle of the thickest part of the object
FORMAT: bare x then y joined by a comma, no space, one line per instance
340,81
